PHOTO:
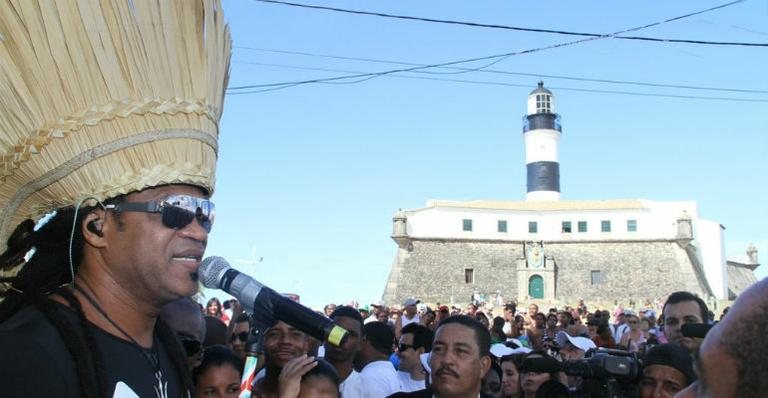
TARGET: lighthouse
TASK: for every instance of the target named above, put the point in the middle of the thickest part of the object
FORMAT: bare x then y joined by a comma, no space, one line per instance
541,131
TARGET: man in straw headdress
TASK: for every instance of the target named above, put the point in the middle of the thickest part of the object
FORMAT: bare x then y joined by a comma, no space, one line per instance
109,114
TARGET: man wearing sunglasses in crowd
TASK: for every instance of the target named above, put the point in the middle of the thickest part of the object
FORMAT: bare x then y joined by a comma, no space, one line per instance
183,316
110,127
415,340
239,336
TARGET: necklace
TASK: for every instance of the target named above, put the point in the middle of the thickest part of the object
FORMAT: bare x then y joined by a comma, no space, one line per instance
150,355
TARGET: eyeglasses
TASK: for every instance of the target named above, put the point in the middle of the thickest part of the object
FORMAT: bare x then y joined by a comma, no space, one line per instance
403,347
242,336
192,346
177,210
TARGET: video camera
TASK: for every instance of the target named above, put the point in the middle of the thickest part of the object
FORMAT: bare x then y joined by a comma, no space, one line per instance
605,373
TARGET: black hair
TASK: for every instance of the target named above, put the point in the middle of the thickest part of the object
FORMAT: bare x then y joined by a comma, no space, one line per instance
347,312
380,336
482,335
681,296
422,335
217,355
510,307
244,317
46,272
324,369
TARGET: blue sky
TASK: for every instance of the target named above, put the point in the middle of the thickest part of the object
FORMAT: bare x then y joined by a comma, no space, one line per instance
309,176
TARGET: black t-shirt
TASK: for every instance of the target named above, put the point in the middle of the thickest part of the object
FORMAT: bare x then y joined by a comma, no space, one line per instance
34,361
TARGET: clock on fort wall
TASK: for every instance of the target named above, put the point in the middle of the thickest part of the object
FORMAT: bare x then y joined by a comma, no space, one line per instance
534,254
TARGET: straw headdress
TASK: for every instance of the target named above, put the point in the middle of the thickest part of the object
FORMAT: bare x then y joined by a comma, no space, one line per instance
104,97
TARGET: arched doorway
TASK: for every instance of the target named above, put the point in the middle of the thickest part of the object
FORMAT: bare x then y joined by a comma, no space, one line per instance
536,287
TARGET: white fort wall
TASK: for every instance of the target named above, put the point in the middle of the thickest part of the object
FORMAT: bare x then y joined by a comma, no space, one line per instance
653,220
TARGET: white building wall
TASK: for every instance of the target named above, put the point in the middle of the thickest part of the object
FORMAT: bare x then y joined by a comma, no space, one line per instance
710,240
656,220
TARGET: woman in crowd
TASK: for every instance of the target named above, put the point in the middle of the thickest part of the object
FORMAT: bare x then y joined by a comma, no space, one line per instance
510,377
497,331
634,338
219,373
213,308
604,336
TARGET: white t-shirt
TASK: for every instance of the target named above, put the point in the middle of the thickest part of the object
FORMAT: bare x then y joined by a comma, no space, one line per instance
352,386
408,384
507,328
380,379
406,321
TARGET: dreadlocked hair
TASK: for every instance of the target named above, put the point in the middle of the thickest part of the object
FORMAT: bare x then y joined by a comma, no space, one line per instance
174,349
48,268
47,272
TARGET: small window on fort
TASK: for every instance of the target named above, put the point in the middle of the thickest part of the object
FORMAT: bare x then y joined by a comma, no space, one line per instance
567,227
582,226
631,225
533,227
466,224
597,277
605,226
469,275
502,225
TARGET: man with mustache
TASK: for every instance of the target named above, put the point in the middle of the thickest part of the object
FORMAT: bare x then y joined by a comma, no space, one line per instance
460,358
680,308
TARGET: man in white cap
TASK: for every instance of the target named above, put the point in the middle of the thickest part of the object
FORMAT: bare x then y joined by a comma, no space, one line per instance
409,315
573,348
109,118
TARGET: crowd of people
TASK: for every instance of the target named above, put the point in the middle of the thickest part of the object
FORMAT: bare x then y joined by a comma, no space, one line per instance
110,121
414,350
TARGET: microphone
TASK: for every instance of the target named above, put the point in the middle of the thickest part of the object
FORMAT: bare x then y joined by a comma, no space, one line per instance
215,273
695,329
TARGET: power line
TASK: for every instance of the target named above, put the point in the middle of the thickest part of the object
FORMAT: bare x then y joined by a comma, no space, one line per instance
502,72
495,58
535,30
631,93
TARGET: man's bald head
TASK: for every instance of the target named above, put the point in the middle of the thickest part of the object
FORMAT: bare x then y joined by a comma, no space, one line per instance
728,361
184,316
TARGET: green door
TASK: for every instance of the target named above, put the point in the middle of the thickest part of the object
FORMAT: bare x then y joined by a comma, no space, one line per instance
536,287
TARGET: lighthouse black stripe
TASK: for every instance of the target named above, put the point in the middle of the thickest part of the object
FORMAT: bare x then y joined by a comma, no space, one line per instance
543,176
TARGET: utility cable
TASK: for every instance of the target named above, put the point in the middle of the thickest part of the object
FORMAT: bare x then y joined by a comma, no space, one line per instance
535,30
495,71
490,83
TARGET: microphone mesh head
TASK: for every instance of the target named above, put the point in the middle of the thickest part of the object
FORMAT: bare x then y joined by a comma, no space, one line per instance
211,271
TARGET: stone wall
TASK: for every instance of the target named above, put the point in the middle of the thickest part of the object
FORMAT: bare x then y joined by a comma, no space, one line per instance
434,270
740,277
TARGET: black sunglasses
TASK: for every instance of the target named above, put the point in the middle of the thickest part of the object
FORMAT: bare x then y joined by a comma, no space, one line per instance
402,347
191,345
242,336
177,210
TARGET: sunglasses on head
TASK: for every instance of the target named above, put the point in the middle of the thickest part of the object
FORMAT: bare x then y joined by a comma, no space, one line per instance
242,336
191,345
177,211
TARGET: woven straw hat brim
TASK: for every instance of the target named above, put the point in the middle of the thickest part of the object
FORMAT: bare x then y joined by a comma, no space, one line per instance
102,98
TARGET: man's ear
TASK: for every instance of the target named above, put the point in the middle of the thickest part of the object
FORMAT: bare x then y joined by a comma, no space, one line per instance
93,228
485,364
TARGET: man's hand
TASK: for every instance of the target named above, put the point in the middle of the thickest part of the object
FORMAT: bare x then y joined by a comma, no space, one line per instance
289,383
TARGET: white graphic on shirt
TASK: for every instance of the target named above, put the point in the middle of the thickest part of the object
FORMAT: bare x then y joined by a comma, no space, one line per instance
161,389
123,391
